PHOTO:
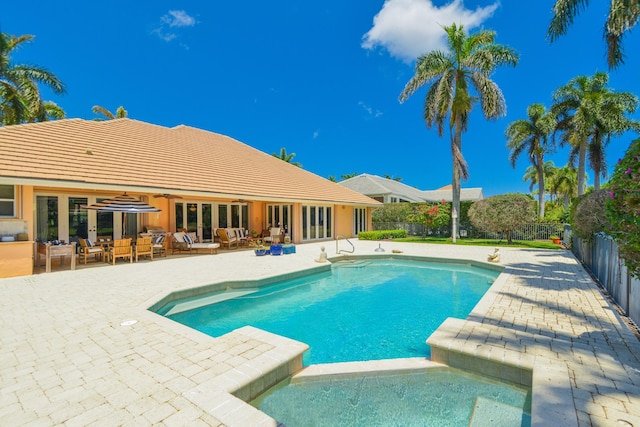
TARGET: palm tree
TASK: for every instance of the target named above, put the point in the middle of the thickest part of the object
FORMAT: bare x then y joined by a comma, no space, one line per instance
332,178
532,136
349,175
397,178
20,99
287,157
469,62
121,113
564,182
612,121
623,16
588,114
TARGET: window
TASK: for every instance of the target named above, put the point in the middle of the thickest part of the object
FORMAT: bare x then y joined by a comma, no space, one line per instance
7,201
359,220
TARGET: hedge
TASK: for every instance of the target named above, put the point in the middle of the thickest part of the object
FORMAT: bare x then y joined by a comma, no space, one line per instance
382,234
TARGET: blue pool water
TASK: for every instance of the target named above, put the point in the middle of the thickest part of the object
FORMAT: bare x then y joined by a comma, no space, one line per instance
442,397
360,310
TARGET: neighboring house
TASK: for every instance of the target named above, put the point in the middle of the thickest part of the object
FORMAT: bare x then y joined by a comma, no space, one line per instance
199,180
390,191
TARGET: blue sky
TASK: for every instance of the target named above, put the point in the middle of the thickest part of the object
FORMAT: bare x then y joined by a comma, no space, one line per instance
321,79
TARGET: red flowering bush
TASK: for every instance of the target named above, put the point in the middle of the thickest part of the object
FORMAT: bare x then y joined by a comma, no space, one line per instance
623,207
432,215
503,213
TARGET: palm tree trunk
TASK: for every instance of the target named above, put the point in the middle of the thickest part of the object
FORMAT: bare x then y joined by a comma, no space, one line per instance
541,195
456,150
582,160
596,179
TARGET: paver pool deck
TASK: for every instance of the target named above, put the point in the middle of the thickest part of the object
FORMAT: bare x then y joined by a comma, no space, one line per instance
69,354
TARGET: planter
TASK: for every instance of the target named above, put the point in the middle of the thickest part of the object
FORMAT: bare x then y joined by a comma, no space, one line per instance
555,240
261,252
276,249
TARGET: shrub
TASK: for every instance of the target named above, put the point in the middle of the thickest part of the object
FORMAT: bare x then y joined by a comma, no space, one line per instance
432,215
623,207
382,234
503,213
392,212
588,215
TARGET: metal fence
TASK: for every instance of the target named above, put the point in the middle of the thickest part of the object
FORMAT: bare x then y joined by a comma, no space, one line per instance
534,231
601,257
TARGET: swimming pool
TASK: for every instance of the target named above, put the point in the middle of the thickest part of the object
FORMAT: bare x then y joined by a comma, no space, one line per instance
360,310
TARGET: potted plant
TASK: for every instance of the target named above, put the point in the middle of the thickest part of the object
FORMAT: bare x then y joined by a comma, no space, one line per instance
276,249
260,250
555,239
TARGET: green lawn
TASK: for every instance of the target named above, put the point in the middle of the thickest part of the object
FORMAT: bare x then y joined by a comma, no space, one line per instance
537,244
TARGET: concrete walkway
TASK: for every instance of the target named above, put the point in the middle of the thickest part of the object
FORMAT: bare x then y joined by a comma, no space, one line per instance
70,353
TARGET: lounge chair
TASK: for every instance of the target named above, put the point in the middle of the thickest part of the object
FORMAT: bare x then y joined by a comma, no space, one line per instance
227,239
186,242
144,247
87,248
121,249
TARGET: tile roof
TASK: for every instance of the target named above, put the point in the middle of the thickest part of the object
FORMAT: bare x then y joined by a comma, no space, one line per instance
373,185
128,154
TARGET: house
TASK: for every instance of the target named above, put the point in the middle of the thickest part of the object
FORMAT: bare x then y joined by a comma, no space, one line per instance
390,191
199,180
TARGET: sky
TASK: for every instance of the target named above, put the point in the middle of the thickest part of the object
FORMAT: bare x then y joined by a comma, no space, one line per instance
319,78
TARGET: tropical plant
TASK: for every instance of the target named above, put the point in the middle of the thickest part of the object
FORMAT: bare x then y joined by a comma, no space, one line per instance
349,175
503,213
468,63
579,107
287,157
392,212
588,214
623,16
564,183
623,207
121,113
532,136
20,99
332,178
432,215
397,178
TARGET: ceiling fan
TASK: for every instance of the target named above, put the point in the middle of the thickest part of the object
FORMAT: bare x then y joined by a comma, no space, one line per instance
167,196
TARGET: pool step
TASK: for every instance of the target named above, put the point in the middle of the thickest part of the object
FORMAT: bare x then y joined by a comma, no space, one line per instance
198,302
489,413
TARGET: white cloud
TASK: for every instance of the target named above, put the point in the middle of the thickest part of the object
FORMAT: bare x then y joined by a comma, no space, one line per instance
316,134
174,19
410,28
370,110
178,18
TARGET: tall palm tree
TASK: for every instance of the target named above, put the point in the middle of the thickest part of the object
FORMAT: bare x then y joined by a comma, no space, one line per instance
20,99
623,16
468,63
121,113
612,121
287,157
532,136
589,112
396,178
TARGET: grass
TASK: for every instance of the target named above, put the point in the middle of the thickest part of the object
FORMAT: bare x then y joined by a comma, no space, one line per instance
536,244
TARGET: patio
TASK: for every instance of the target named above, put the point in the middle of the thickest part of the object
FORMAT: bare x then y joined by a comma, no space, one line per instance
70,355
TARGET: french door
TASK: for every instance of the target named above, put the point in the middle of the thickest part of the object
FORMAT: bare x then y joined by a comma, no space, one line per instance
204,217
317,222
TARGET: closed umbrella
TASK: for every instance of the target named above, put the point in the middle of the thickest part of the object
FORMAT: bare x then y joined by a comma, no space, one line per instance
123,203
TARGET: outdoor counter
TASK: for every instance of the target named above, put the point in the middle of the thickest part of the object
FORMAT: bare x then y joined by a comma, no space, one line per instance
16,258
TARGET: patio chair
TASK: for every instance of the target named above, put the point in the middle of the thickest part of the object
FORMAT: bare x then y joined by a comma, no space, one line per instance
226,238
121,249
144,247
274,235
158,245
87,248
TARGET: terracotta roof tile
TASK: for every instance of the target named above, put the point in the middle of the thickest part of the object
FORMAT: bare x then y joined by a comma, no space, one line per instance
126,152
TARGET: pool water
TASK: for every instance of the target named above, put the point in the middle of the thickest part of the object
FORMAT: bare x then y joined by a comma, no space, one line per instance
438,397
360,310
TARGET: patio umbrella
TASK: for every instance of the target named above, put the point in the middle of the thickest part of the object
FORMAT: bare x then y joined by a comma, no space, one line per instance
123,203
